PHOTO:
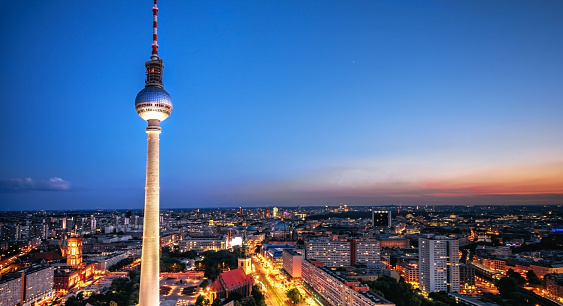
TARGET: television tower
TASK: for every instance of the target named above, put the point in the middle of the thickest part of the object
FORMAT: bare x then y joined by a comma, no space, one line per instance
154,105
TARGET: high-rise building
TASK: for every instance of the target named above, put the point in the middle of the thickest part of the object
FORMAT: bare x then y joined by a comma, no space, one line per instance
93,225
154,105
438,264
381,218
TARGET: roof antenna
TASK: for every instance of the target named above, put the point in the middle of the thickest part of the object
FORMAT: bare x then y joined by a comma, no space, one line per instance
154,55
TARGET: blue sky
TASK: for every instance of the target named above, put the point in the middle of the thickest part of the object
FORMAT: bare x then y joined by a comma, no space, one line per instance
285,103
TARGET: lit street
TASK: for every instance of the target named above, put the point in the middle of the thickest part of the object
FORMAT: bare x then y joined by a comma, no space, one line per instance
271,288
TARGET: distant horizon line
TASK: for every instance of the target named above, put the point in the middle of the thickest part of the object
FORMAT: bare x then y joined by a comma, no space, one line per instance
283,206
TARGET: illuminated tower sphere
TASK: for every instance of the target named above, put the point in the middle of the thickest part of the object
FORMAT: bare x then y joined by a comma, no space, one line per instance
154,105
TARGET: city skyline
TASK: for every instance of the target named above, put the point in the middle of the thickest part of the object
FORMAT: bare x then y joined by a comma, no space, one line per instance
286,104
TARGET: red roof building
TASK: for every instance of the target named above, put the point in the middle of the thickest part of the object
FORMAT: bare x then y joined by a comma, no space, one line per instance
234,281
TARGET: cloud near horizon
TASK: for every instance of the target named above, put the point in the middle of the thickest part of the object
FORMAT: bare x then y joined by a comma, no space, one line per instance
27,184
432,181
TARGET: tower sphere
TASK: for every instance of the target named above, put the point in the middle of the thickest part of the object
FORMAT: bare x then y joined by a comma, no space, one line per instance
153,103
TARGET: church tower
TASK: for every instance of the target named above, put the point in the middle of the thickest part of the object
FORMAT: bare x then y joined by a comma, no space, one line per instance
74,251
244,260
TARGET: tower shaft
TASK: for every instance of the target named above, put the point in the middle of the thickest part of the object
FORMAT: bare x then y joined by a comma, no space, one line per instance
149,291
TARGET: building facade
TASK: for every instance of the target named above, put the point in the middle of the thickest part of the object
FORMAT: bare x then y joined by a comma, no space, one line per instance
554,285
343,253
105,262
466,276
438,264
381,218
27,286
38,284
10,291
74,252
365,251
202,244
329,252
292,262
411,272
274,253
335,290
234,281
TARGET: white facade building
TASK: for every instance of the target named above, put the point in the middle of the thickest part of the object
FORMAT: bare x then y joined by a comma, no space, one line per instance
337,291
330,252
438,264
10,291
292,262
366,251
202,244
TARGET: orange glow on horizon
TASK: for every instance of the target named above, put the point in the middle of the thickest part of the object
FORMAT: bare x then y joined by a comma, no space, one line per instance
517,180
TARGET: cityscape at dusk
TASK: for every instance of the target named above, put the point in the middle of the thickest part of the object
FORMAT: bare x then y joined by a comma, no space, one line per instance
294,153
285,103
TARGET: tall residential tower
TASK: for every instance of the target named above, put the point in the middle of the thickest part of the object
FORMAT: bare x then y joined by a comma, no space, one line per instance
438,264
154,105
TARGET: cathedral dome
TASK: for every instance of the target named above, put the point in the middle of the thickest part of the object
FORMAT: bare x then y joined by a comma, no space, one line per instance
281,227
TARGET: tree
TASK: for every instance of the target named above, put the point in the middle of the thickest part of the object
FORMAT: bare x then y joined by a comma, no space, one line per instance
73,301
169,264
258,296
201,300
399,293
493,298
506,286
533,279
442,297
213,262
204,284
294,295
234,296
520,280
522,299
249,302
217,302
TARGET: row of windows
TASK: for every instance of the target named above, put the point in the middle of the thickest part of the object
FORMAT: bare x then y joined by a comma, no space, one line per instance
153,110
154,104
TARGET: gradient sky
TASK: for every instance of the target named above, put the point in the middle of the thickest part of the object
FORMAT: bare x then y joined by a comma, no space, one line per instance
284,103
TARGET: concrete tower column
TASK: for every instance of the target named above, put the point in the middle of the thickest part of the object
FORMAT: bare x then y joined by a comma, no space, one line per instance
150,289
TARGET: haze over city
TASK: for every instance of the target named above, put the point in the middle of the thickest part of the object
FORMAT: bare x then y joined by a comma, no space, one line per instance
285,103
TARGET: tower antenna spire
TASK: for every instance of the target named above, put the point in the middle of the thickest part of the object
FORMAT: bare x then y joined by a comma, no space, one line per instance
154,45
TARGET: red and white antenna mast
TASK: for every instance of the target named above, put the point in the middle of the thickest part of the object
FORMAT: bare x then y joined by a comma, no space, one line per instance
154,55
